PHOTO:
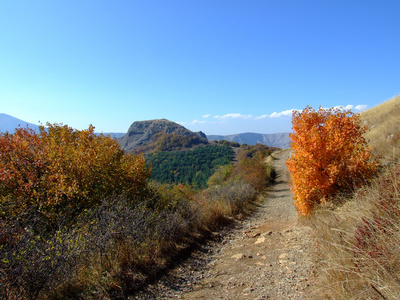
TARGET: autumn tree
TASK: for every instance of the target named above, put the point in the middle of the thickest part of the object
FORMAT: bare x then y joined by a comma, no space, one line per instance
329,154
61,171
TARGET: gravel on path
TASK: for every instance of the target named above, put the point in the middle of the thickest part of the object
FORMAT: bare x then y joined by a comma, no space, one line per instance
266,256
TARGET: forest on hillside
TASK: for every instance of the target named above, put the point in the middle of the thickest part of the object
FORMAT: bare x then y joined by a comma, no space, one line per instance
191,167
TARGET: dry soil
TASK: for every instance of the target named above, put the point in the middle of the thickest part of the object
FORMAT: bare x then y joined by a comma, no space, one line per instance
266,256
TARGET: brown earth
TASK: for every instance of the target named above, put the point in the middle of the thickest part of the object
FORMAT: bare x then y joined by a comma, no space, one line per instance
270,255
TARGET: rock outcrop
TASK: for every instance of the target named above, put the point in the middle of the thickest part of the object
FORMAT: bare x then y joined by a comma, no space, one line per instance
150,134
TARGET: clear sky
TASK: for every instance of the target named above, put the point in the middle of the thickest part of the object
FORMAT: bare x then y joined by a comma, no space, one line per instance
220,66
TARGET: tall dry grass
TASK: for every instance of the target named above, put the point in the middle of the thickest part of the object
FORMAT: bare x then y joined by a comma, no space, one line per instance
358,234
384,130
223,203
359,241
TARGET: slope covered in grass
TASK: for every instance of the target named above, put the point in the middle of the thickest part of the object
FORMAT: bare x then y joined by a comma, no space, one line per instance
384,130
358,234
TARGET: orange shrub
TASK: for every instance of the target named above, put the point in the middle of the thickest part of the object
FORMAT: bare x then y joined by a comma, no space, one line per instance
329,154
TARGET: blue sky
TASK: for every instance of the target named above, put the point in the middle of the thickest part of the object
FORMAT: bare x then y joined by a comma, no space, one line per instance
219,66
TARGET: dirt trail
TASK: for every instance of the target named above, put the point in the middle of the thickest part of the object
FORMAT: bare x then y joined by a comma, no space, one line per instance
268,256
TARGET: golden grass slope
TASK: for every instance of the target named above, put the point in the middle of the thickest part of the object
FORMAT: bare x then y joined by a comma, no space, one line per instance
383,122
358,234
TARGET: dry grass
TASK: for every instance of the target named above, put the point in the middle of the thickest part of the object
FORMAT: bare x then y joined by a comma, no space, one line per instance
384,130
359,241
358,235
222,203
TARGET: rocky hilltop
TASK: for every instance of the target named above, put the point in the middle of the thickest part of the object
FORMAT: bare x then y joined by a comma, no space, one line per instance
162,135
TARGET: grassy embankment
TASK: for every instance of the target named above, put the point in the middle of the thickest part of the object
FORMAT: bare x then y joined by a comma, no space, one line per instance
358,235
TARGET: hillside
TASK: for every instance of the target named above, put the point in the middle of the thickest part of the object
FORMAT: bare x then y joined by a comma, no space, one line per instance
358,234
191,167
81,220
159,135
348,248
279,140
9,123
384,132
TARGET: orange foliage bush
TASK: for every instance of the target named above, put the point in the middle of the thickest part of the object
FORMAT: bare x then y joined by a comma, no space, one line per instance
61,170
329,155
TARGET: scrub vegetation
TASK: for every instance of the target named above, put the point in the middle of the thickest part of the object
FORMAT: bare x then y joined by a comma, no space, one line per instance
81,219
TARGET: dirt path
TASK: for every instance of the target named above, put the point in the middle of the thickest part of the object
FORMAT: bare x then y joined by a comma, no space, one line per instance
268,256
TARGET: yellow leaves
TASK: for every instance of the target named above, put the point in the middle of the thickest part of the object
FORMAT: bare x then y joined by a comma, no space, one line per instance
65,170
329,153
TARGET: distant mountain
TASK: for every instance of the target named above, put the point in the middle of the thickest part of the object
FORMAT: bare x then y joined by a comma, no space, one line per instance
159,135
116,135
9,124
148,135
280,140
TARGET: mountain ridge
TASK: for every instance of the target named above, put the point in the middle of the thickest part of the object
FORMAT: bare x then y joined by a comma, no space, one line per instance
9,123
279,140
